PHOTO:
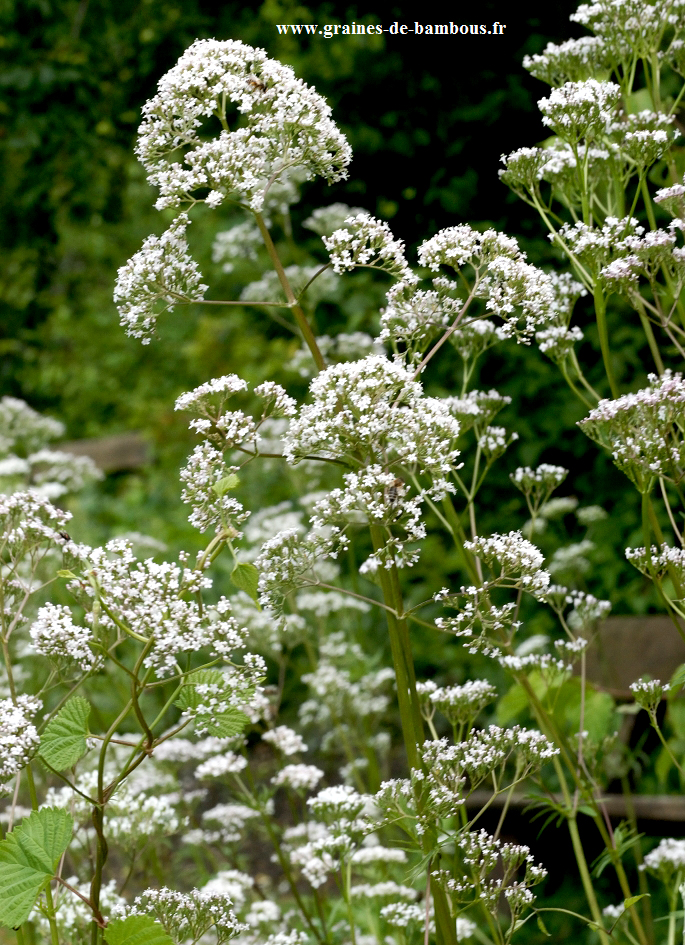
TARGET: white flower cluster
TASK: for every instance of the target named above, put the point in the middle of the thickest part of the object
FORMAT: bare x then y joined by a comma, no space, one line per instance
373,497
667,858
519,560
229,822
473,338
461,704
340,802
494,443
538,484
29,521
477,408
570,61
220,765
630,29
557,341
158,277
413,316
298,777
55,635
373,411
19,737
325,220
580,110
659,562
366,241
286,563
340,703
648,693
643,430
148,598
203,477
23,430
240,242
285,740
512,288
189,915
285,124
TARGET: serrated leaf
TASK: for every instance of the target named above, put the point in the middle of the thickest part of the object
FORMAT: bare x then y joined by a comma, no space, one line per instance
136,930
246,577
64,738
226,484
223,723
28,859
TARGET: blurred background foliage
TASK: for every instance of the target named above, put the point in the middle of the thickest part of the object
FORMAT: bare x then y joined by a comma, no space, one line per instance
427,120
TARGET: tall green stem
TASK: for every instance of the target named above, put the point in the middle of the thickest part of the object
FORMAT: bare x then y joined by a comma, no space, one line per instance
600,313
300,317
410,711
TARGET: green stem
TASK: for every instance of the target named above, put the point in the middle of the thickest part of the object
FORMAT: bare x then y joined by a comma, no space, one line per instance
410,710
600,313
300,317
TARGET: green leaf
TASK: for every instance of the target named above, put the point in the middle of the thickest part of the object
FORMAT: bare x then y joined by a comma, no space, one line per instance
225,723
136,930
64,738
543,929
246,577
627,903
28,859
678,678
226,484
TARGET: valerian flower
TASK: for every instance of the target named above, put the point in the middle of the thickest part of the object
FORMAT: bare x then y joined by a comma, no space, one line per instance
643,431
372,409
155,279
284,124
19,738
366,241
580,110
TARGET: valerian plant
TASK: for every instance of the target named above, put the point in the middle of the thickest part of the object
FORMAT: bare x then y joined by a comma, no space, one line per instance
171,735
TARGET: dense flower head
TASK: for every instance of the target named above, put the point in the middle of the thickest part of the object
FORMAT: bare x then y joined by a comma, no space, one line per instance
570,61
23,430
648,693
643,430
150,599
414,316
204,477
477,408
539,483
374,409
189,915
658,561
580,110
667,858
517,292
461,704
19,737
158,277
282,123
55,635
367,241
630,29
298,777
374,497
325,220
517,558
29,521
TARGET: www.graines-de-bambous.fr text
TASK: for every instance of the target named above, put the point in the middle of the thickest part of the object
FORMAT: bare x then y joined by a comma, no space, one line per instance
328,31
